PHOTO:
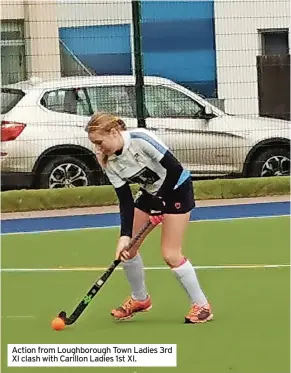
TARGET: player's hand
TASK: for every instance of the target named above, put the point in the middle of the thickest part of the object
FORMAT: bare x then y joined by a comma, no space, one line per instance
121,249
101,158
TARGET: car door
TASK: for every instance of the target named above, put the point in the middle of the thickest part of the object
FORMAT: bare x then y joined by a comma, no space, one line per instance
180,121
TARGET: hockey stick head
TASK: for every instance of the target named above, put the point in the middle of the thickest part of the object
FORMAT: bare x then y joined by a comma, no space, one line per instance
67,320
63,316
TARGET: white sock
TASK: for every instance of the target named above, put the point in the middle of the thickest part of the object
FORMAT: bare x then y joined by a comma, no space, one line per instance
187,276
134,272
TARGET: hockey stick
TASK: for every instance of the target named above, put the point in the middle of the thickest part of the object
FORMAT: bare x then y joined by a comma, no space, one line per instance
99,283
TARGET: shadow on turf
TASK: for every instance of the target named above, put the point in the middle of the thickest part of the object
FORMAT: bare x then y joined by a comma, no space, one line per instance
111,323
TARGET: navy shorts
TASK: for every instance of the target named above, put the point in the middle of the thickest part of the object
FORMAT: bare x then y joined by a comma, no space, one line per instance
180,201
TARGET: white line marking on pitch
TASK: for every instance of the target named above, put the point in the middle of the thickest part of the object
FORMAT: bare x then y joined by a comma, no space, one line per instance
96,269
117,226
84,269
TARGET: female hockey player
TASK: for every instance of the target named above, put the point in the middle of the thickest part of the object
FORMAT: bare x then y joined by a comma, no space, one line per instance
140,157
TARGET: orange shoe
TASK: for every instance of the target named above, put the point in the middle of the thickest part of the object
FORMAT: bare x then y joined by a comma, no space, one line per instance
198,314
130,307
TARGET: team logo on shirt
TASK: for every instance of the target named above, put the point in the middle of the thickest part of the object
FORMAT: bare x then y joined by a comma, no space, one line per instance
145,176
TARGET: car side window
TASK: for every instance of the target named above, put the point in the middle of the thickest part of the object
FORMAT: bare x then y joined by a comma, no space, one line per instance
111,99
70,101
165,102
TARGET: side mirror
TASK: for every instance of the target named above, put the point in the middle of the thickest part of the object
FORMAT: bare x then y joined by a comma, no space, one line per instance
208,112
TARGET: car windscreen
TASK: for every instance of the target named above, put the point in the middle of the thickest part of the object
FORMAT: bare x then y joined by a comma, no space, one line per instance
9,98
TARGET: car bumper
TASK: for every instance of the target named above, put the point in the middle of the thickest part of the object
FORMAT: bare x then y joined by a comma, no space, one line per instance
16,180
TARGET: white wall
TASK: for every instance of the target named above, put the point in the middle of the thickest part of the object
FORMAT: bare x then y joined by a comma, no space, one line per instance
93,12
42,39
73,12
11,9
237,45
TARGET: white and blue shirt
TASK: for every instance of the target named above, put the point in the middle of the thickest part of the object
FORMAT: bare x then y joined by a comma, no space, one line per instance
139,162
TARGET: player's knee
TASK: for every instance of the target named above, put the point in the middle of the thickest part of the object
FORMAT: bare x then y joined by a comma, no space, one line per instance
173,259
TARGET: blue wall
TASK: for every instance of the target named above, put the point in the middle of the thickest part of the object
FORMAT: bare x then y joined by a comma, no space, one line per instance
179,43
106,49
177,38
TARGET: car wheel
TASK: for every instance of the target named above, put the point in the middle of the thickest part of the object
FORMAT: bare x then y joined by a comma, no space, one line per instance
65,172
271,162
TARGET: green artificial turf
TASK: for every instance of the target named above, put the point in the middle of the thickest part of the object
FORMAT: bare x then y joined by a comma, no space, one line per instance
250,330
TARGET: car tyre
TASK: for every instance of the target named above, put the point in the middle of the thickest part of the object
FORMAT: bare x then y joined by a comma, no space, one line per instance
271,162
65,172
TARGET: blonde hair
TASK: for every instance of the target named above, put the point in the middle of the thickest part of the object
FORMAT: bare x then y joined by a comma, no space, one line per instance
104,123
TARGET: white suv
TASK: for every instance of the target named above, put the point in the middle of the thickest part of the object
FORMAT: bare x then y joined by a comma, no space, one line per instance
44,145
